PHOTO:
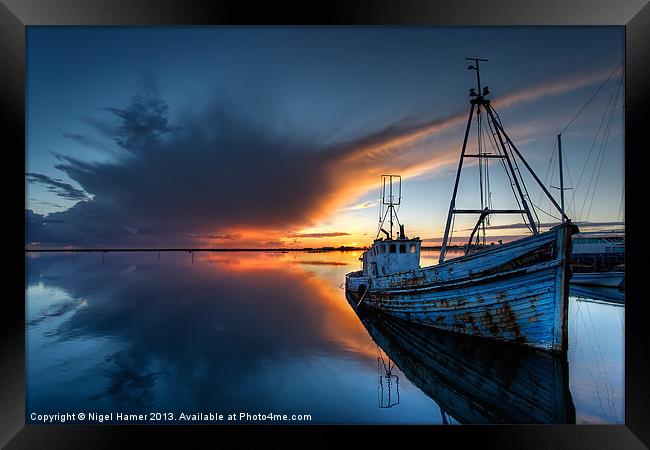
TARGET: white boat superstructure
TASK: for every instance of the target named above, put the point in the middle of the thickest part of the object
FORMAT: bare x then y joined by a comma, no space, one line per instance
596,242
390,256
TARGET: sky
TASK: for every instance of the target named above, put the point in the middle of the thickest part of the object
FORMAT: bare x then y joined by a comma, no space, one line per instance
266,137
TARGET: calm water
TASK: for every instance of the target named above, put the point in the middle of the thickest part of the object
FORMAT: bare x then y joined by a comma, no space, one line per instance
267,332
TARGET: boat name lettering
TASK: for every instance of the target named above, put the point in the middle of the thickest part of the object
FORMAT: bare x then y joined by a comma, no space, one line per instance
543,254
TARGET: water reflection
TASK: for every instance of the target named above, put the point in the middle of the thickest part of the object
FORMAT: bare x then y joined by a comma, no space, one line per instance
260,331
472,379
598,293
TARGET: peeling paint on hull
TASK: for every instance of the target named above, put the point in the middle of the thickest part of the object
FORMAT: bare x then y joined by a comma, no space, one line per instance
515,292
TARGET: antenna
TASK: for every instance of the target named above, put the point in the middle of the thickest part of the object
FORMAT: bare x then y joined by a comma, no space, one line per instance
391,196
475,67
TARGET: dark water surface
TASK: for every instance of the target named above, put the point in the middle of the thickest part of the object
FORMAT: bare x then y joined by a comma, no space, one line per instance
272,332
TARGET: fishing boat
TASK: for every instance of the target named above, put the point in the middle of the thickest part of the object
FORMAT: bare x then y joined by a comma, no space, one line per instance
598,259
473,380
514,292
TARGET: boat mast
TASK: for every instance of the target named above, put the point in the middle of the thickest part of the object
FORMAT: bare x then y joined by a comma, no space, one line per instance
559,152
561,188
508,151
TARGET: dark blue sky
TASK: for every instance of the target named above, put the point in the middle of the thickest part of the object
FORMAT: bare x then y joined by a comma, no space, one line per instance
212,122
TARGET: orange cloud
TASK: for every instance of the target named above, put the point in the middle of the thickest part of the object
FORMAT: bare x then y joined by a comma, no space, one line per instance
554,88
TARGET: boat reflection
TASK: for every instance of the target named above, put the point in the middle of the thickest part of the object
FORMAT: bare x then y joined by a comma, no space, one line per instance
598,294
475,380
387,381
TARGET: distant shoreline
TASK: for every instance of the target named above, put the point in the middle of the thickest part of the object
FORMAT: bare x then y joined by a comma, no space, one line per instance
190,250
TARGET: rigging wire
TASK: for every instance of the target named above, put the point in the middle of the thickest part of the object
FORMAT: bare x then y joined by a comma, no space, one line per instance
522,182
548,214
602,159
607,120
591,149
591,98
488,193
503,164
516,167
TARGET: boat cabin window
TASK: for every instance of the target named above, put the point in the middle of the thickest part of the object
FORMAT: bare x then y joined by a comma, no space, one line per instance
412,248
392,248
619,250
382,249
402,248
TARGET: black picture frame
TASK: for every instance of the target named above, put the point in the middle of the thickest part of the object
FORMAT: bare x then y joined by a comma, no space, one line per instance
15,15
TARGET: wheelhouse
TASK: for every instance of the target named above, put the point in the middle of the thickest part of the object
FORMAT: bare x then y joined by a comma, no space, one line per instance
390,256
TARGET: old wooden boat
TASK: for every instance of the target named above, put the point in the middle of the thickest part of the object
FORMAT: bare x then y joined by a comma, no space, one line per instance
475,381
515,291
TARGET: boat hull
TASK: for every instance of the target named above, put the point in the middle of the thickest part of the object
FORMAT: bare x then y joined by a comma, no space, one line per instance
516,292
605,279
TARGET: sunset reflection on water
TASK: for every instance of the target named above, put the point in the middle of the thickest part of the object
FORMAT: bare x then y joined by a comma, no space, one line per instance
242,331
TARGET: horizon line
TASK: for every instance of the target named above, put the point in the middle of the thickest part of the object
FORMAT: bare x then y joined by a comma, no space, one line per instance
190,250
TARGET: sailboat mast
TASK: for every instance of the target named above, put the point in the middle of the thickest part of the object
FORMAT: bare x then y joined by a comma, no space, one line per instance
559,152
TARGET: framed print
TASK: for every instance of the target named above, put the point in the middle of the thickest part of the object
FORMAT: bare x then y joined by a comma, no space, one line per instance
376,219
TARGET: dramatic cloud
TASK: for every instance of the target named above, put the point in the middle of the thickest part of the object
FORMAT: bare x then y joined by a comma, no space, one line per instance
219,177
363,205
57,186
213,236
319,235
39,202
85,140
144,121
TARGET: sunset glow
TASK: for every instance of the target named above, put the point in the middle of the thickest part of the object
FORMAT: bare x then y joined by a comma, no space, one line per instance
152,166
